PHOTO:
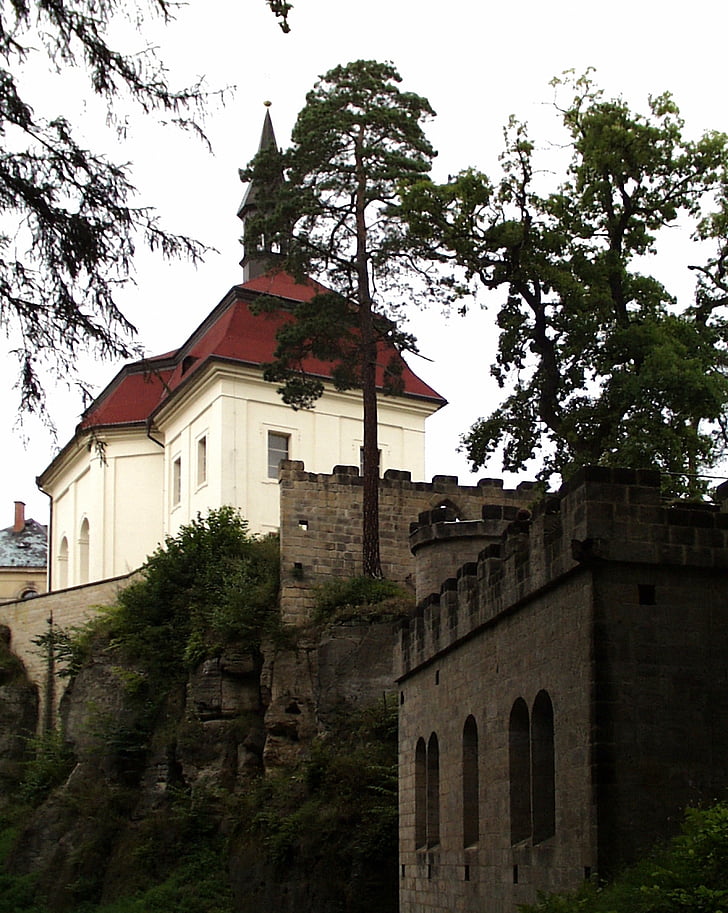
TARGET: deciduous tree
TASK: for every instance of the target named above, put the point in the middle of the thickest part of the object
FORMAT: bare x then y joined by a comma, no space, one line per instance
332,216
599,361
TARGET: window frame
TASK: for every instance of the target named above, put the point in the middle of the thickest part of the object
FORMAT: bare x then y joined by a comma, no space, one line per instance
201,454
175,488
271,470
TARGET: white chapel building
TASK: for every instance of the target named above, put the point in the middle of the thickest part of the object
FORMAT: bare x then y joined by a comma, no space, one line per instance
197,428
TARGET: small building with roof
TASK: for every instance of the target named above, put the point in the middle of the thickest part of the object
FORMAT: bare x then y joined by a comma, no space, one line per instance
23,557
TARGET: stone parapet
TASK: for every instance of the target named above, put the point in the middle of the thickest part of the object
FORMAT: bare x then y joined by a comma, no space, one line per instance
512,554
29,619
321,524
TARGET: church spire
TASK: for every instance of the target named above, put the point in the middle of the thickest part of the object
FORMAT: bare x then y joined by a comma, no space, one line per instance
257,250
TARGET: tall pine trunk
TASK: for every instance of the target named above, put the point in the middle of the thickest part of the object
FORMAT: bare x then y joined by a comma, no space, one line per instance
371,562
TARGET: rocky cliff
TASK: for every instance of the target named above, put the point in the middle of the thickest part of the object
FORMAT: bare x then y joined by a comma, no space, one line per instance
260,780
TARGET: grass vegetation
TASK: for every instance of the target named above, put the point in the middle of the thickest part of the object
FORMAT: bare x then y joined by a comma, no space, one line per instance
350,597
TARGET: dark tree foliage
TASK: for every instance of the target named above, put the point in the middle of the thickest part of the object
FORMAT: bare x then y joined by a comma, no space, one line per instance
211,584
598,360
281,9
334,216
69,226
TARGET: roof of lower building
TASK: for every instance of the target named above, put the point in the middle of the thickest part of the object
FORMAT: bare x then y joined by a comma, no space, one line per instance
231,333
27,548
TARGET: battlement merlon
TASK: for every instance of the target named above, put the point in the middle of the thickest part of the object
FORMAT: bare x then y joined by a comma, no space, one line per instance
601,515
321,523
295,471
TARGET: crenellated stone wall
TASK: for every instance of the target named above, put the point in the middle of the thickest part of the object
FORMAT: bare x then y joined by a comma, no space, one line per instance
595,624
321,523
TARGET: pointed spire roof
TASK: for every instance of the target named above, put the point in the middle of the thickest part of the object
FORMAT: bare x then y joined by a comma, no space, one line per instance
258,248
267,141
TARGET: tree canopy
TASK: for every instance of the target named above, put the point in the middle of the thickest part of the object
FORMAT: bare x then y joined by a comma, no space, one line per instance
69,223
600,362
326,208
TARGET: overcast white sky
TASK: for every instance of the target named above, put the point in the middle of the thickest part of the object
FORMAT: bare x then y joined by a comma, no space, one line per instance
476,62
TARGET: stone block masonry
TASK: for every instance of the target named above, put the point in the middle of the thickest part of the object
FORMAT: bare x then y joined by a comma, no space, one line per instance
29,619
321,524
321,538
562,693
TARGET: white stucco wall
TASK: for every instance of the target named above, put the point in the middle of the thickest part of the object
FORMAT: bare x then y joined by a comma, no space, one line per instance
118,493
128,497
234,409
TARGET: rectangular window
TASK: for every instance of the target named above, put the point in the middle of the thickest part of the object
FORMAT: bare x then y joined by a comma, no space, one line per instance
177,481
202,460
361,460
277,451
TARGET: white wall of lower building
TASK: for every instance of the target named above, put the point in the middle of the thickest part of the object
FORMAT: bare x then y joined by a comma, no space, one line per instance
116,490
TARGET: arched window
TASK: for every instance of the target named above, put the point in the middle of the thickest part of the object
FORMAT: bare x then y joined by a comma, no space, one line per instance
63,564
433,791
519,764
83,552
471,792
542,768
421,794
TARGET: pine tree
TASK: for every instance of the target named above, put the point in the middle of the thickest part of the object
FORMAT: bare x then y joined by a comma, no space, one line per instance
334,216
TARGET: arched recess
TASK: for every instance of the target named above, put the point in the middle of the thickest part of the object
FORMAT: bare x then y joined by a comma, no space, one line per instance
433,791
471,790
420,794
543,768
63,564
519,769
83,552
451,507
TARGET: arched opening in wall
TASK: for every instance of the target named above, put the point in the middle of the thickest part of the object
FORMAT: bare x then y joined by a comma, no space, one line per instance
519,770
471,791
420,794
543,768
63,564
433,791
451,507
83,549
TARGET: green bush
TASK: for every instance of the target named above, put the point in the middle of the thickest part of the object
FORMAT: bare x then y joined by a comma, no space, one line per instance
211,584
71,647
51,762
342,595
688,875
339,803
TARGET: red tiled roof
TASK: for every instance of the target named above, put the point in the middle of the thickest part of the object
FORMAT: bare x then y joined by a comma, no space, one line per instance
135,394
230,333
